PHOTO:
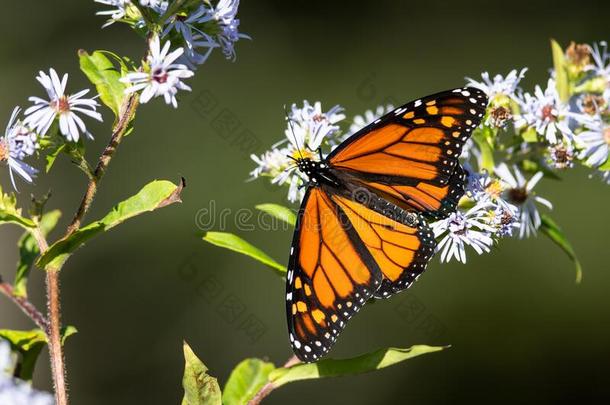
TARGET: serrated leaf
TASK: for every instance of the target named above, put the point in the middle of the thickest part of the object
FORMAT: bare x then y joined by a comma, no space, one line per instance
549,228
199,387
10,214
245,381
29,345
561,74
154,195
102,73
237,244
28,252
280,212
362,364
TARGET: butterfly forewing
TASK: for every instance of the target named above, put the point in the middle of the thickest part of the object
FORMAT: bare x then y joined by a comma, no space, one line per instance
410,155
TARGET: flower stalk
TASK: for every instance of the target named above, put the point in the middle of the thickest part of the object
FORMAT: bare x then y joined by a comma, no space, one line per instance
24,305
129,110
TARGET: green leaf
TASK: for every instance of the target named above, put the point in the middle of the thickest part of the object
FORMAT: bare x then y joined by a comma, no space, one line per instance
561,73
52,144
280,212
245,381
10,214
28,252
362,364
552,230
237,244
530,135
199,387
154,195
29,344
102,73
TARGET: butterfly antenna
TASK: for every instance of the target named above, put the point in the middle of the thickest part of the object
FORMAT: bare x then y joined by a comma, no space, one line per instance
296,142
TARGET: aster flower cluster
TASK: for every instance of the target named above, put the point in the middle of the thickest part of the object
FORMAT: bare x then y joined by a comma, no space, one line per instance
308,129
23,137
185,39
523,137
198,28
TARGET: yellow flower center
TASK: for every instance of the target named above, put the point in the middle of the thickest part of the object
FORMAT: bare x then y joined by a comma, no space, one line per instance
303,154
3,151
494,189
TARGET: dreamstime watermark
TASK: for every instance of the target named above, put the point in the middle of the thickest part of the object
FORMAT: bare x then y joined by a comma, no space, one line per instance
335,211
226,123
368,91
414,313
243,219
232,309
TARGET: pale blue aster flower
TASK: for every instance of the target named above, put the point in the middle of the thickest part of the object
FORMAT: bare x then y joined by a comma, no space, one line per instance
310,126
595,143
225,14
18,143
307,130
158,6
486,189
498,85
460,229
547,114
519,191
601,60
163,77
117,12
43,113
505,220
194,38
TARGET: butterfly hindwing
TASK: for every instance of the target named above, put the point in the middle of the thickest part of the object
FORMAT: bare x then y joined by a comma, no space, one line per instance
330,276
401,243
410,156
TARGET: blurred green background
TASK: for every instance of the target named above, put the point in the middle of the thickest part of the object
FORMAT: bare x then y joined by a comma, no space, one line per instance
521,330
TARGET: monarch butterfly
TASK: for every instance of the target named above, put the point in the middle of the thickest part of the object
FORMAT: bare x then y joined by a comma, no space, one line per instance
362,228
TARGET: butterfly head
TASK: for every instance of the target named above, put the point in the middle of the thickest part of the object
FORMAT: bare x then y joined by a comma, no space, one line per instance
317,171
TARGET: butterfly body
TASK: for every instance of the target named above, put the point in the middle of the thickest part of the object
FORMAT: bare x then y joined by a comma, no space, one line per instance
362,231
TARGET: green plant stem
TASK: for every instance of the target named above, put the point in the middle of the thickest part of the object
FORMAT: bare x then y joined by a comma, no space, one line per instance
54,337
129,107
269,387
25,305
52,273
